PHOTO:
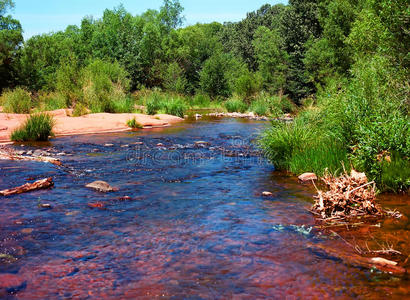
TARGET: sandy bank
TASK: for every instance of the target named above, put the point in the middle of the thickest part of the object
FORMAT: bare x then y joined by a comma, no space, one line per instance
88,124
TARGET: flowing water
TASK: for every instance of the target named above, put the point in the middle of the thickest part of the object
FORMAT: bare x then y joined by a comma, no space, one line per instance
188,222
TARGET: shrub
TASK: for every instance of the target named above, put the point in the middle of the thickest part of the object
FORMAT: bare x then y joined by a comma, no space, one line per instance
153,103
133,123
201,100
282,140
235,105
248,84
51,101
260,107
16,101
174,78
175,107
104,85
80,110
68,80
37,127
395,175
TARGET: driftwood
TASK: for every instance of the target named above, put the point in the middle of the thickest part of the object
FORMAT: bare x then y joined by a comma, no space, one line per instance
40,184
347,196
47,159
356,260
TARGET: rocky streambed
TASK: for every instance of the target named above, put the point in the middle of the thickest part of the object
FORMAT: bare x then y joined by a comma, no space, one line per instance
194,212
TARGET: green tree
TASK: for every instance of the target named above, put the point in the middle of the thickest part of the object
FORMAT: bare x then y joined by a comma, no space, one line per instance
271,58
299,23
10,41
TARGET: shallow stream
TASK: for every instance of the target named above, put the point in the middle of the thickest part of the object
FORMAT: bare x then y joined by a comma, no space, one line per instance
188,222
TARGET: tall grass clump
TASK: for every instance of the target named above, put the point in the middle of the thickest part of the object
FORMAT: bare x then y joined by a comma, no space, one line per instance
174,106
51,101
260,107
201,101
153,103
16,101
37,127
133,123
235,104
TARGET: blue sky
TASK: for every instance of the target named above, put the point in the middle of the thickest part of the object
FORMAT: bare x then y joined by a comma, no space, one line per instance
44,16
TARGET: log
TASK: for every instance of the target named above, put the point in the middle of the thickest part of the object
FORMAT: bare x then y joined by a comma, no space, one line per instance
47,159
355,260
38,185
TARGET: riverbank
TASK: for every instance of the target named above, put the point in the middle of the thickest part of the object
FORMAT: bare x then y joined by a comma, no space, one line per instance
87,124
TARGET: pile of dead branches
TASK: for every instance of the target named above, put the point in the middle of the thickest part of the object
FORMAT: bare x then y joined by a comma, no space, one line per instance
347,196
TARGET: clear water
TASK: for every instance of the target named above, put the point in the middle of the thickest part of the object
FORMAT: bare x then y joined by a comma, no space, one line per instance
187,223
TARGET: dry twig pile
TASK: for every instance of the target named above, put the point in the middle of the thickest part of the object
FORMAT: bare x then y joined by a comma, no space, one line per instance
347,196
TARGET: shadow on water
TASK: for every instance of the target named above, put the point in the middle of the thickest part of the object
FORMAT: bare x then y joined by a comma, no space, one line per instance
187,222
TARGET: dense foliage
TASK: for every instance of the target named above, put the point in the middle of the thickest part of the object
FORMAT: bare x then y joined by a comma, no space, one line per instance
344,63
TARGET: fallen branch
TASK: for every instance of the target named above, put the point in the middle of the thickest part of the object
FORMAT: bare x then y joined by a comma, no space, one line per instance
47,159
355,260
40,184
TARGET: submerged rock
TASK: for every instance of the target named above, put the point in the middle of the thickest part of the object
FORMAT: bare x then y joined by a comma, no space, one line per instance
267,194
11,281
307,177
101,186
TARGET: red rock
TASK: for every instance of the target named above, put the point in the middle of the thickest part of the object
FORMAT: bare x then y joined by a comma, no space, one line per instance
8,281
307,177
96,205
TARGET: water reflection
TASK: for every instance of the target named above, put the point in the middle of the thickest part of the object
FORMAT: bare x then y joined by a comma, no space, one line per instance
188,222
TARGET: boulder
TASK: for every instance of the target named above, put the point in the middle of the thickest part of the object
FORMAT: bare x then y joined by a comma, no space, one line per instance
307,177
101,186
11,281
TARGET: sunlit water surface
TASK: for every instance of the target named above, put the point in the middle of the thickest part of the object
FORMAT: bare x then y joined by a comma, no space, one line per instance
188,222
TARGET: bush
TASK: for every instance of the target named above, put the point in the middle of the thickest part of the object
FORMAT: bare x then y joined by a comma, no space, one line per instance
51,101
37,127
235,105
395,174
133,123
153,103
248,84
104,86
16,101
283,140
80,110
260,107
201,100
175,107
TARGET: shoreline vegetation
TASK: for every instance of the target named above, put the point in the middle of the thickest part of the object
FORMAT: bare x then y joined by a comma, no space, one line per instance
341,67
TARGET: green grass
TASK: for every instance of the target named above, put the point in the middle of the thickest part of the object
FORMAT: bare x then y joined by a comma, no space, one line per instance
235,105
16,101
395,175
260,107
175,107
318,158
37,127
51,101
133,123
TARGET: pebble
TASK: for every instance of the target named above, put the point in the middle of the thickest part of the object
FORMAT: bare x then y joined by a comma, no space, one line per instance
108,145
267,194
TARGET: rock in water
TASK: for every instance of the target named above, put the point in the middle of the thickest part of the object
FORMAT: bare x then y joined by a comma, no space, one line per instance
101,186
267,194
307,177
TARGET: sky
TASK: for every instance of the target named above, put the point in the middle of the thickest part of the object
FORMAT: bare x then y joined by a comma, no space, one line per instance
44,16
